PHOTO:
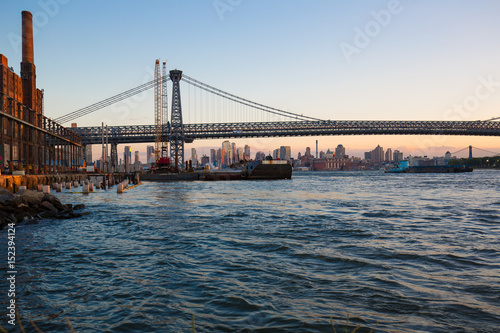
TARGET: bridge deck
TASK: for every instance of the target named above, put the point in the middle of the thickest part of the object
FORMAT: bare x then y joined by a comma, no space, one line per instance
146,133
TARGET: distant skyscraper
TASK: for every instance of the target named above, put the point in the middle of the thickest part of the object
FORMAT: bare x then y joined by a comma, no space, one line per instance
276,154
194,156
378,154
398,156
234,156
308,151
205,160
227,153
127,157
388,155
247,153
136,161
150,153
285,153
239,154
219,158
340,151
260,156
213,157
88,154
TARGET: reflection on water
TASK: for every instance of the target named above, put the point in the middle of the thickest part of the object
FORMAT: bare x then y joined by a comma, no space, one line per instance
417,253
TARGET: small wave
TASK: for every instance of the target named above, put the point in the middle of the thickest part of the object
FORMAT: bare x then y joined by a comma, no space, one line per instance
383,213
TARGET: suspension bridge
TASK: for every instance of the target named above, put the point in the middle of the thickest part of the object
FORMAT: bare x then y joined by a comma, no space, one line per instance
222,115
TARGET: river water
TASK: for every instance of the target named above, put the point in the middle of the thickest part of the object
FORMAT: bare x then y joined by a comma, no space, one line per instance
413,252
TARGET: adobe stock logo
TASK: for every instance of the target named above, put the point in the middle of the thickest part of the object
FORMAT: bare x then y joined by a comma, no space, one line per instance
364,36
486,87
223,6
49,9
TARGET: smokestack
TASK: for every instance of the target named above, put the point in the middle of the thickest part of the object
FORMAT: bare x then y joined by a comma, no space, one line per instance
28,37
28,70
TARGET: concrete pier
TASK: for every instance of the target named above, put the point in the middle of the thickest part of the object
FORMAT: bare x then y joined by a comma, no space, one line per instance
63,181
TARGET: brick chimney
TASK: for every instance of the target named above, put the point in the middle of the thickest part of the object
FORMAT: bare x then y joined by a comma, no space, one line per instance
28,70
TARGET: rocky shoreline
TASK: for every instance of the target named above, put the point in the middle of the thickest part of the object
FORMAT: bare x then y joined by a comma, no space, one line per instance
29,207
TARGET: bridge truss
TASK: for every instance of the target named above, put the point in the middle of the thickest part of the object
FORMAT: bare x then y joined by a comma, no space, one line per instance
146,133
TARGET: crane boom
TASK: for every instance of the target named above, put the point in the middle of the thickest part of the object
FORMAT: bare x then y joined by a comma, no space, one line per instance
164,111
157,100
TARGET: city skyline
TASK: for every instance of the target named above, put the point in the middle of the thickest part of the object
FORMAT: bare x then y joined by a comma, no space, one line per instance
392,60
295,151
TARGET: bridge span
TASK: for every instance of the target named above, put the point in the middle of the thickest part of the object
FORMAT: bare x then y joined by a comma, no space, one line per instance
146,133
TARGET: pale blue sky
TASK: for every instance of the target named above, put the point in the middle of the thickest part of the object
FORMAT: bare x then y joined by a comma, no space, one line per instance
416,64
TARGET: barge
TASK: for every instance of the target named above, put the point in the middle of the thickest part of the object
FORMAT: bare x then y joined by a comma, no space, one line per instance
403,167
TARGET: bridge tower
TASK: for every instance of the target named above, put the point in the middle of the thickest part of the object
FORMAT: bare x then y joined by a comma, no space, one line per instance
176,136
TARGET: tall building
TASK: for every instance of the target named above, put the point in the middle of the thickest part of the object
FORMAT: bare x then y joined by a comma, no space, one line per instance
398,156
88,154
219,158
247,153
227,153
234,155
240,154
150,153
205,160
194,157
260,156
127,157
213,157
388,155
340,151
285,153
378,154
276,154
308,151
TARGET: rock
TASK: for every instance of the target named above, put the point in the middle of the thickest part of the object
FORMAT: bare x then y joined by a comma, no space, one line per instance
6,198
79,206
4,191
47,215
66,214
50,207
32,198
22,206
54,201
68,206
23,215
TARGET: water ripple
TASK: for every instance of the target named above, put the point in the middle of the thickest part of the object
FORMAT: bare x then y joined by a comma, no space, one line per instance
281,256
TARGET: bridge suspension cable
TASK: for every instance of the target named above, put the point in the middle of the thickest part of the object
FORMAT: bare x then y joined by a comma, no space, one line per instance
459,151
483,150
244,101
487,151
107,102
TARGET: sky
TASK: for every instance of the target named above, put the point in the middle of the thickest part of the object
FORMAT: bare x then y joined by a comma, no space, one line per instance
338,60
